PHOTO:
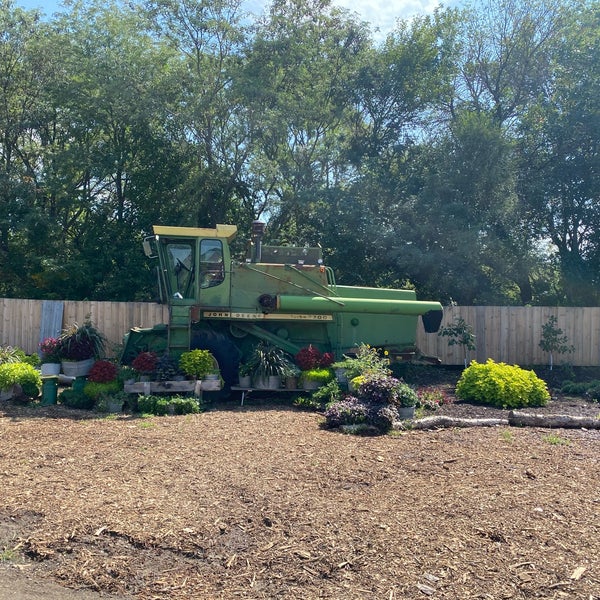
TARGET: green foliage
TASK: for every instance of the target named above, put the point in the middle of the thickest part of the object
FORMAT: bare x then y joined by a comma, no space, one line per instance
161,405
554,340
319,374
460,333
197,363
94,389
502,385
76,399
322,397
9,354
266,360
589,389
365,360
166,368
23,374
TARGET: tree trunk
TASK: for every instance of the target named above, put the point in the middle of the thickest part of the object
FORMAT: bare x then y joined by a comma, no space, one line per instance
520,419
436,422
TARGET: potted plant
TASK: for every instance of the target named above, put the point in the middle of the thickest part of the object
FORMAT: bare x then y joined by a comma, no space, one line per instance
315,378
269,365
245,374
19,379
405,399
50,356
198,363
167,368
145,364
79,347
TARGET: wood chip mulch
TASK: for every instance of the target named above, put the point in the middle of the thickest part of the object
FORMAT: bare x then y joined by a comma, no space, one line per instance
258,501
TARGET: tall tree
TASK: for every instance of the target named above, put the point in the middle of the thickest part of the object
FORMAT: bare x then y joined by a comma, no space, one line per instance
561,158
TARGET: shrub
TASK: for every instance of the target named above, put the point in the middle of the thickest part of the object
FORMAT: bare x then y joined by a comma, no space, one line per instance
94,389
160,405
197,363
308,358
383,417
377,388
75,399
103,371
502,385
23,374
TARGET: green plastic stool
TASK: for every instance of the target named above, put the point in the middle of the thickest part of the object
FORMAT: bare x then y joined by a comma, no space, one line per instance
49,390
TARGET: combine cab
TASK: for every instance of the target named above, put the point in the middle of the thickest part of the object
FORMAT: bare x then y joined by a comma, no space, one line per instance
282,295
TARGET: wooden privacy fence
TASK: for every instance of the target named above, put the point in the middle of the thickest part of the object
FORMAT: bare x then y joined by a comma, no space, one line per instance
509,334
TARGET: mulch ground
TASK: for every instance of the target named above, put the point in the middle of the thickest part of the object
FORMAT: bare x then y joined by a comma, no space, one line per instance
258,501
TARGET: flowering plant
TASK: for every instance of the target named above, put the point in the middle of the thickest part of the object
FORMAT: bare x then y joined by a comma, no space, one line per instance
103,371
349,411
50,349
145,362
431,398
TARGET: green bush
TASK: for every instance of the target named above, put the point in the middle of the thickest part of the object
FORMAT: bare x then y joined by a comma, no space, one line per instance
23,374
501,385
162,405
94,389
75,399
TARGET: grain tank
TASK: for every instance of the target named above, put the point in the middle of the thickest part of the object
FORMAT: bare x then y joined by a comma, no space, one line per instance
282,295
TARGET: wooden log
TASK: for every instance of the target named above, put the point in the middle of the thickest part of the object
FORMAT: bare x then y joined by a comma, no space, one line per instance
441,421
521,419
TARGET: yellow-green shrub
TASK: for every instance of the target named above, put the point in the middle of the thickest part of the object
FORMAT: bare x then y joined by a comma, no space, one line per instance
501,385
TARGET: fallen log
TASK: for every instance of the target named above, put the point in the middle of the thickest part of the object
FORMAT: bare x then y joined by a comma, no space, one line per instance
521,419
439,421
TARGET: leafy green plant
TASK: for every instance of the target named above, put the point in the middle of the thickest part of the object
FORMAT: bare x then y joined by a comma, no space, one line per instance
554,341
197,363
94,389
23,374
365,360
161,405
267,360
320,375
502,385
460,333
75,399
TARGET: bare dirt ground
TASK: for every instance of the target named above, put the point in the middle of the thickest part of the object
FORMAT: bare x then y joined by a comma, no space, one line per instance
258,501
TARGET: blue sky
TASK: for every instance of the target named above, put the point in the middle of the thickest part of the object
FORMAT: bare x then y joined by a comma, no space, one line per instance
382,14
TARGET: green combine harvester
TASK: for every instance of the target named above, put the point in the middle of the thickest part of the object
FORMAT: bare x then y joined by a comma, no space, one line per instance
280,295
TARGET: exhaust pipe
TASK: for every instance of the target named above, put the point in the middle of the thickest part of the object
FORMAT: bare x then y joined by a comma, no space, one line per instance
258,232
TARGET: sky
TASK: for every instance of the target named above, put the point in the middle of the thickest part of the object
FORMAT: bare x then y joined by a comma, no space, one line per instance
381,14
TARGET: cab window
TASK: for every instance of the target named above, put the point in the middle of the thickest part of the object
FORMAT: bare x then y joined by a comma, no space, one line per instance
181,257
212,270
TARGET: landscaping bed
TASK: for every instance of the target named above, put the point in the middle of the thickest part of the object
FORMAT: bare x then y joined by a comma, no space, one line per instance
259,501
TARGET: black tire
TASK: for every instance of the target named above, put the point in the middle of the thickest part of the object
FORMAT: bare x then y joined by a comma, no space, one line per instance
223,349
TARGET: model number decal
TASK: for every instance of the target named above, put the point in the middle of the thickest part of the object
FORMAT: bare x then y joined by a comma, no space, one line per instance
219,314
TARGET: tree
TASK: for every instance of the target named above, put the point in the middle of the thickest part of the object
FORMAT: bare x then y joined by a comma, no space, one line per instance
560,179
